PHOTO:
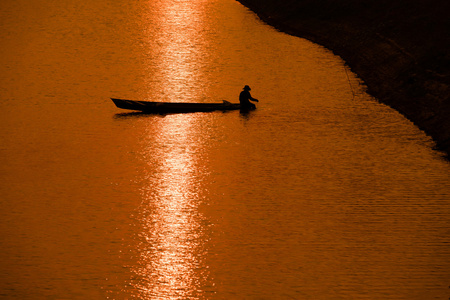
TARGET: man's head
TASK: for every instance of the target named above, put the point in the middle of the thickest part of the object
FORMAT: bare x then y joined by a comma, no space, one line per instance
247,88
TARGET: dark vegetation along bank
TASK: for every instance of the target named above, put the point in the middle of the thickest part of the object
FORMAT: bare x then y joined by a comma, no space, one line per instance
400,48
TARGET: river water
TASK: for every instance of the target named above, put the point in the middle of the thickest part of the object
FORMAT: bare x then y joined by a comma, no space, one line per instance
321,193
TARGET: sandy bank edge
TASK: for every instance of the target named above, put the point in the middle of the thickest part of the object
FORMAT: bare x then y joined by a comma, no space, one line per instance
397,69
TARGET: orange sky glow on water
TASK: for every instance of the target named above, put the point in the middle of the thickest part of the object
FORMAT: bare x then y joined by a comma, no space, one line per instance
320,193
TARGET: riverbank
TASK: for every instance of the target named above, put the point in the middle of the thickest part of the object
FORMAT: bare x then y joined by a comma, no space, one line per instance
400,48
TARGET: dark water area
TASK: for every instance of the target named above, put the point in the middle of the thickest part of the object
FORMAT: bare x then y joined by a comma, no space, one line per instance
320,193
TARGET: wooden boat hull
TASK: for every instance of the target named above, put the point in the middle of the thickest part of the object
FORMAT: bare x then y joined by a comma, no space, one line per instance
173,107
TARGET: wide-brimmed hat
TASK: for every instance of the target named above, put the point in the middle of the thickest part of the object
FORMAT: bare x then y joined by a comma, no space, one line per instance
247,88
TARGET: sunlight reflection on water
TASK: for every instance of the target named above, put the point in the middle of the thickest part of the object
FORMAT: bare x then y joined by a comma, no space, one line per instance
315,195
178,33
173,242
172,235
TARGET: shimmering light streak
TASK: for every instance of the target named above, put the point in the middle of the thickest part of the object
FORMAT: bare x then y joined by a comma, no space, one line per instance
172,240
181,49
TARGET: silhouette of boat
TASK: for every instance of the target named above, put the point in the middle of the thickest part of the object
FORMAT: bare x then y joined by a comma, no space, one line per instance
173,107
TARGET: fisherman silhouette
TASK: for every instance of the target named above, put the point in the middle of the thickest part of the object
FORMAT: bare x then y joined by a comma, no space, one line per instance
245,97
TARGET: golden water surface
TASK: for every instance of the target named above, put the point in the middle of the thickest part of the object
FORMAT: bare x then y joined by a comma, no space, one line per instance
320,193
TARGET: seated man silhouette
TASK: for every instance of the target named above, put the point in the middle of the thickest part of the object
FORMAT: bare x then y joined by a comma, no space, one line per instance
245,97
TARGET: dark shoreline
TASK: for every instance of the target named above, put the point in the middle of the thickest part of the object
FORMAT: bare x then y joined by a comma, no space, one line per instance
399,48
